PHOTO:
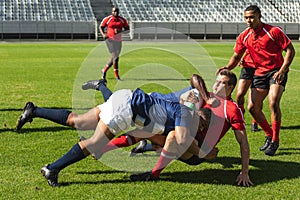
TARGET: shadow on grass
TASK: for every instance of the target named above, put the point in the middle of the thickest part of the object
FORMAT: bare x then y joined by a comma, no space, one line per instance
31,130
21,109
264,171
295,127
155,79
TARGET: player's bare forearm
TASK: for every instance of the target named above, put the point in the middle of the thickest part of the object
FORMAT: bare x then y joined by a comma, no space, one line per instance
233,62
288,58
197,82
243,177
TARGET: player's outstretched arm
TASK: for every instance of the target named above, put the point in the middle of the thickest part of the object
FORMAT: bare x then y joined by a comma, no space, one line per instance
233,62
243,178
197,82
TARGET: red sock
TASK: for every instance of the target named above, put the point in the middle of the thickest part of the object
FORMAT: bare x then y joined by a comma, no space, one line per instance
116,71
164,159
276,129
266,128
121,141
105,69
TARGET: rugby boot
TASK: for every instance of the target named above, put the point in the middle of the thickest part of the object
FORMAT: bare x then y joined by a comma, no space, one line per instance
147,176
141,148
254,127
266,144
270,151
26,116
93,84
50,175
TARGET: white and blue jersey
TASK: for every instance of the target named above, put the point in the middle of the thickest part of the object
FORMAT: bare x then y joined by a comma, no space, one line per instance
159,115
173,96
155,115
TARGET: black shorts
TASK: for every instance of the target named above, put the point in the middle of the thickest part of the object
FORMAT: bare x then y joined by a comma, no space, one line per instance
114,46
247,73
266,80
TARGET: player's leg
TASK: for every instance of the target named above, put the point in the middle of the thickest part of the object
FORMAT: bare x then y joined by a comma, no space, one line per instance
31,111
110,61
107,128
168,153
116,52
157,143
99,85
255,107
86,121
242,89
275,95
78,152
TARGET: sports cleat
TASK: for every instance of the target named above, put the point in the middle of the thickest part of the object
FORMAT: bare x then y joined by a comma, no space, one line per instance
141,148
93,84
254,127
26,116
147,176
266,144
50,175
270,151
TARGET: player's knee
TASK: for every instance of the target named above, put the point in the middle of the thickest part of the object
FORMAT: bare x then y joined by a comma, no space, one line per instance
274,106
251,108
71,120
171,137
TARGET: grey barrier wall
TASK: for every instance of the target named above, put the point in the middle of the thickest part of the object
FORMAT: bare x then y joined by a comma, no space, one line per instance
139,30
51,30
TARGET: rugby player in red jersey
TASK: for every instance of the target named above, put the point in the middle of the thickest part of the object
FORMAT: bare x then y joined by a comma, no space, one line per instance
114,25
265,44
226,115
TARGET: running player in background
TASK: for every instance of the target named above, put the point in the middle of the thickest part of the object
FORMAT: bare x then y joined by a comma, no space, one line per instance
114,25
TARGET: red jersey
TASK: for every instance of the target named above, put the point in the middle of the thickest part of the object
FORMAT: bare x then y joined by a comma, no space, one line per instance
226,115
247,61
265,45
114,26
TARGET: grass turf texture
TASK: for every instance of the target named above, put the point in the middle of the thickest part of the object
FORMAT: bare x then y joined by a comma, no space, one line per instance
45,73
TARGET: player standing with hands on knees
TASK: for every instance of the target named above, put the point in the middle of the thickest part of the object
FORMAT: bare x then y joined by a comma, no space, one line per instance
265,44
114,25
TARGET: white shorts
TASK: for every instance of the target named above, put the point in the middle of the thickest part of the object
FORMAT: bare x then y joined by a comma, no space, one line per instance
116,112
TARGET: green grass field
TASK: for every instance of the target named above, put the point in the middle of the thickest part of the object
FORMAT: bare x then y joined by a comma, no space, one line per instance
50,75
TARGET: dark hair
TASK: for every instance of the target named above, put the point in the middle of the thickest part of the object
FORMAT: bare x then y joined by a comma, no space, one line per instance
230,75
205,117
116,9
254,8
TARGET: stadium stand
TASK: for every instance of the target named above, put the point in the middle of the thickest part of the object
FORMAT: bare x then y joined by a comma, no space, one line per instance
54,18
206,10
101,8
47,10
46,19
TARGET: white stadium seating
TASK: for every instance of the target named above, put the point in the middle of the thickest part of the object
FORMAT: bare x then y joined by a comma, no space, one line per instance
46,10
217,18
277,11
